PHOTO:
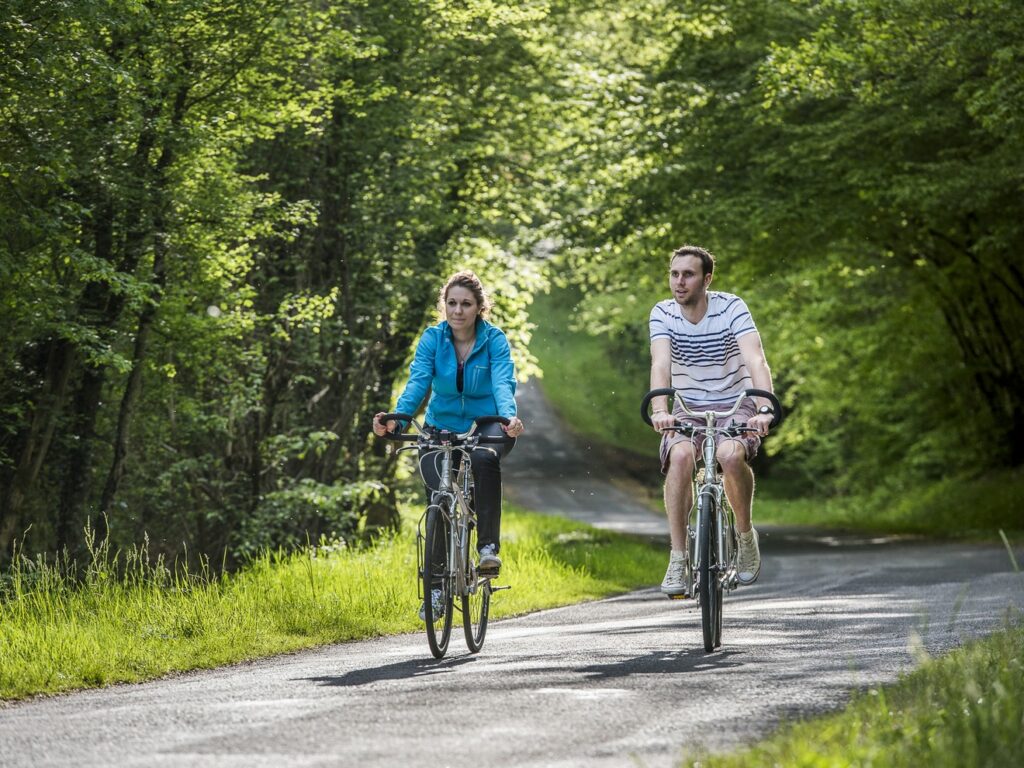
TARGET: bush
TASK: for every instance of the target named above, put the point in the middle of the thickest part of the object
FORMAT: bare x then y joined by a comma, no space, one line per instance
308,512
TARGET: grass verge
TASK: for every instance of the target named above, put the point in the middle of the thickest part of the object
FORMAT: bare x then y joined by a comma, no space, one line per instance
595,392
964,709
131,619
953,507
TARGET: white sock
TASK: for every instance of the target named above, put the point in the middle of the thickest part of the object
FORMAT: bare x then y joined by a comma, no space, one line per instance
678,553
747,536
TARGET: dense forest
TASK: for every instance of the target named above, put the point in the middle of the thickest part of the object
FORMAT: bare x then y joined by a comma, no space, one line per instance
225,223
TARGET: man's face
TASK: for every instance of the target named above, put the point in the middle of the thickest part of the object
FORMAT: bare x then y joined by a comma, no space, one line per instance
687,280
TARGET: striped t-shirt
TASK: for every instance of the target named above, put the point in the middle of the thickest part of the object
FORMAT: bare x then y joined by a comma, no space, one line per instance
706,361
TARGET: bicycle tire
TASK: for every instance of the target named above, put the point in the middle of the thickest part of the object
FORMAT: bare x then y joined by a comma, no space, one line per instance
439,629
476,604
709,587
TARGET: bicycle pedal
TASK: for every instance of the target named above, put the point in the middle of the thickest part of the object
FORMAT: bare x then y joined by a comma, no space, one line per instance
498,589
678,597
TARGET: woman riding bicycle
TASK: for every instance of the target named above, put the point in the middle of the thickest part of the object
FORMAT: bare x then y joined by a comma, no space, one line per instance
466,364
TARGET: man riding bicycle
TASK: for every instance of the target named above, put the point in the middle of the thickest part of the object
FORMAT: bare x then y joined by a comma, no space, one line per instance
705,344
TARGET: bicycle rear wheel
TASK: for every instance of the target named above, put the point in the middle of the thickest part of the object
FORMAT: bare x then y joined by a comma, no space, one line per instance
476,604
709,587
436,575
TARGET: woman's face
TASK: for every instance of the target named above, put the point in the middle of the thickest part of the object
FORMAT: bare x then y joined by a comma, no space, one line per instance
460,308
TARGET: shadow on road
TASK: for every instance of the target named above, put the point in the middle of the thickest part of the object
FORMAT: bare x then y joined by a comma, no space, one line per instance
664,662
403,670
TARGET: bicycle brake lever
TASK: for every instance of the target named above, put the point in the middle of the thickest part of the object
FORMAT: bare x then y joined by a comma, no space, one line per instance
686,429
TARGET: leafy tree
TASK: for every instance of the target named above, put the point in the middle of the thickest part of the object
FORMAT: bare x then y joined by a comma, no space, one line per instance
228,222
857,166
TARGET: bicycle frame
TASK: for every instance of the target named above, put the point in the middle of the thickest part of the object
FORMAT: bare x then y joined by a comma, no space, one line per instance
459,515
712,489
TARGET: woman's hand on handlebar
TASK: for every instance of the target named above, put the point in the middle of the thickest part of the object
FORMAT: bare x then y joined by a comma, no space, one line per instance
514,428
382,428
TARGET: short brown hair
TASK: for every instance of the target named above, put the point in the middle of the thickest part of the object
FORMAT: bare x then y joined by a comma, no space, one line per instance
468,280
707,259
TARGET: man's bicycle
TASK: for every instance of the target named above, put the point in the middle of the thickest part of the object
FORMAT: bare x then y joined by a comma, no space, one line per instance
711,538
446,534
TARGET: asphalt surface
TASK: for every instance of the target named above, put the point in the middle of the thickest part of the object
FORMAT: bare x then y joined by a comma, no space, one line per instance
623,681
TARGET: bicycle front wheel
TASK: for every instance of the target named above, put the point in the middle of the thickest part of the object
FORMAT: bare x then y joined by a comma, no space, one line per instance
709,588
436,576
476,603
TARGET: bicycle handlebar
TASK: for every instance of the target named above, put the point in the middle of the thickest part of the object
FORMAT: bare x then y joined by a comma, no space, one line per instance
456,437
673,393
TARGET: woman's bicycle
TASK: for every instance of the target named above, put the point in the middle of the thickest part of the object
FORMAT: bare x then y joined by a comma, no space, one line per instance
446,534
711,539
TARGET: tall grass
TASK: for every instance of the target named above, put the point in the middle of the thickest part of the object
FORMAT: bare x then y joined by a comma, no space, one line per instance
128,618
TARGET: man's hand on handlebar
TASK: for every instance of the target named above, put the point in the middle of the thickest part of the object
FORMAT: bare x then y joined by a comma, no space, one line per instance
761,422
662,420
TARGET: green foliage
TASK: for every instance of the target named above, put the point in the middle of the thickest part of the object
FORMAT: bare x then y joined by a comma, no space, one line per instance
306,511
225,224
836,158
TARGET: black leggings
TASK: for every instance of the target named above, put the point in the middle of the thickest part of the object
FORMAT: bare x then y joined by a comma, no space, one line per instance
487,480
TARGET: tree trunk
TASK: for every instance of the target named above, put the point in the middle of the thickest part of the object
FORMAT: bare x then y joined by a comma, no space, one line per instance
133,387
77,467
34,444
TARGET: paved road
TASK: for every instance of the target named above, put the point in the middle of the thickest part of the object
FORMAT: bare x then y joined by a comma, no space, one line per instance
552,471
609,683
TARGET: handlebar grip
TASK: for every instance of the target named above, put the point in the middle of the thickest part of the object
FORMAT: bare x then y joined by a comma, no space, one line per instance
482,421
398,435
776,405
663,392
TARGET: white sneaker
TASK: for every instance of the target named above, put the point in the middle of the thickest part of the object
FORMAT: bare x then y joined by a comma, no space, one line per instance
436,602
489,560
674,583
748,561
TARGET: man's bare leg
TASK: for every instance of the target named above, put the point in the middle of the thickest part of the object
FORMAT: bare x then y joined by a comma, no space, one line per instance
678,500
739,481
679,492
739,487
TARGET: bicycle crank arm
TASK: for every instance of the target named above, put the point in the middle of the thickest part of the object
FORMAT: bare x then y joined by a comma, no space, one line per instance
729,580
498,589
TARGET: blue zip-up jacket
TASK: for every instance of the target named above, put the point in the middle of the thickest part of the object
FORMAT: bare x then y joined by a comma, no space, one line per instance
489,381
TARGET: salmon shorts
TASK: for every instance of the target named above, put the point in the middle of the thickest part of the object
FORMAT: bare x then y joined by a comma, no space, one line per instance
750,441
